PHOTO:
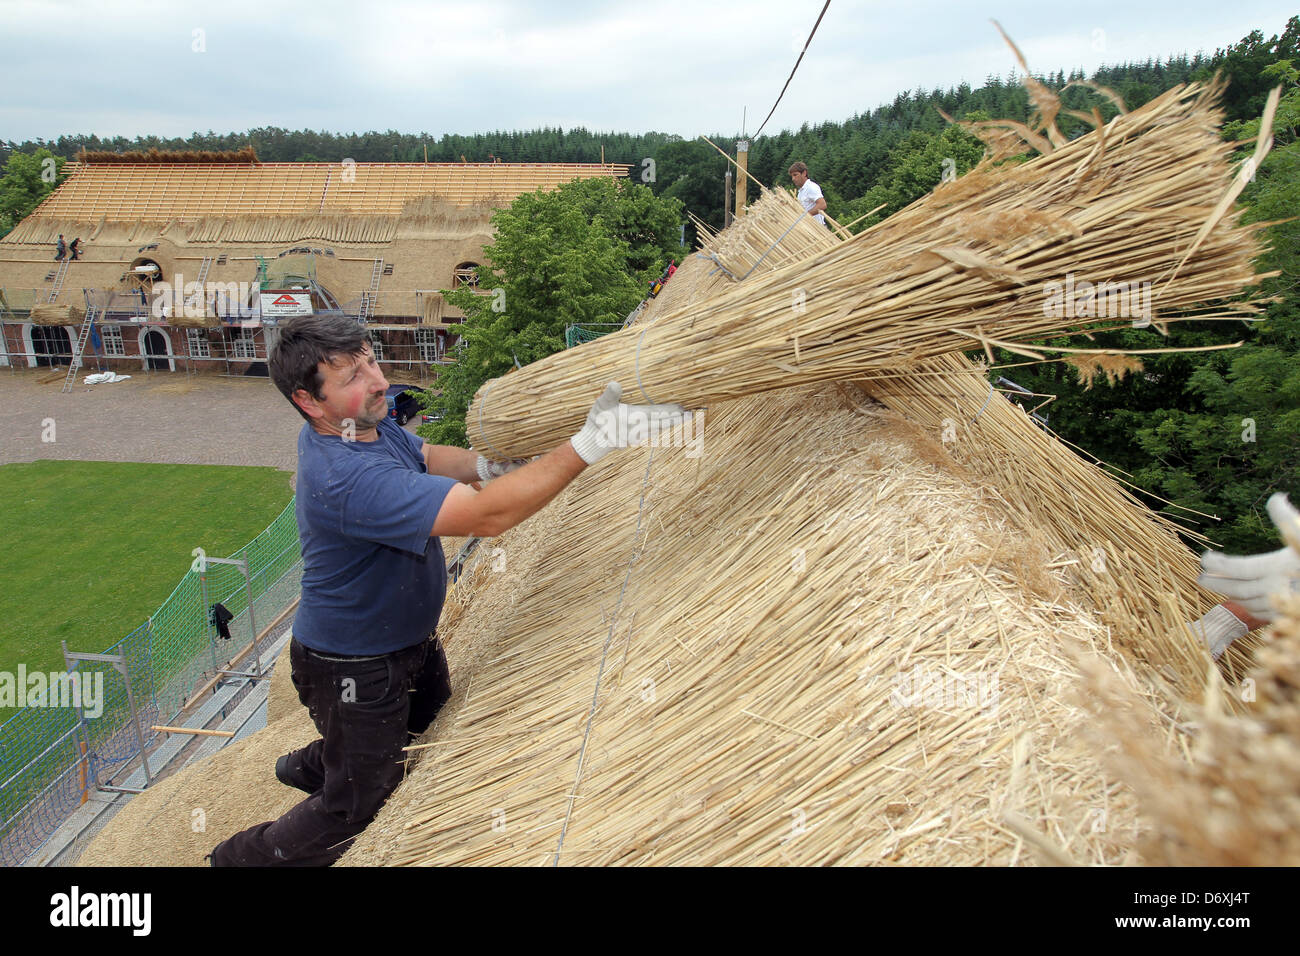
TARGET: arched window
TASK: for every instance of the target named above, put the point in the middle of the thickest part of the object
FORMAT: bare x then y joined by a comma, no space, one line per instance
465,276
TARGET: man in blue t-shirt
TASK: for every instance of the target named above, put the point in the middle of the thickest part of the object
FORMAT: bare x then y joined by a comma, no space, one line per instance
372,501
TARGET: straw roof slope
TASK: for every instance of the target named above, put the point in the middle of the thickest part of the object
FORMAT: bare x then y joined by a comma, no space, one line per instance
813,644
126,192
56,314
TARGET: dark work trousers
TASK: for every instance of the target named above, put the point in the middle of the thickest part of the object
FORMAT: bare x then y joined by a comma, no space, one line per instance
366,710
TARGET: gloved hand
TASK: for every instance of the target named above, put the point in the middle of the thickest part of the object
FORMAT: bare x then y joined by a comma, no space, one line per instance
1218,628
1251,581
488,469
611,424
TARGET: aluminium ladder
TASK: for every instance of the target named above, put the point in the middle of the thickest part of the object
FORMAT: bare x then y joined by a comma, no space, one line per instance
58,280
369,296
79,348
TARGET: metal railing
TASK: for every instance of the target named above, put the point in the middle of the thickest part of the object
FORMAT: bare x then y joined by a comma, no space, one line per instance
52,757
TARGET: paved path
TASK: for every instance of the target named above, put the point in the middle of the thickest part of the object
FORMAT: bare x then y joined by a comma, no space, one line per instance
159,417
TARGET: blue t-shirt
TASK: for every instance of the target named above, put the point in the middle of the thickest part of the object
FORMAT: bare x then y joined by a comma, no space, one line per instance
373,579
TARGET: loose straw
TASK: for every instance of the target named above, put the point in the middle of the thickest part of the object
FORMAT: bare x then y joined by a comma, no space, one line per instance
1122,204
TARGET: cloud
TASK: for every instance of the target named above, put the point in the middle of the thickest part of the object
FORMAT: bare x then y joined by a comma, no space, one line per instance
128,68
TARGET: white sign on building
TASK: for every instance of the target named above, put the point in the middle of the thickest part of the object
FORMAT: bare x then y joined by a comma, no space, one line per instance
279,305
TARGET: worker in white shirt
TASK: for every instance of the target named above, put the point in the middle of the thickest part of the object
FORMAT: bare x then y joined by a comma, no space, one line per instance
1250,583
810,194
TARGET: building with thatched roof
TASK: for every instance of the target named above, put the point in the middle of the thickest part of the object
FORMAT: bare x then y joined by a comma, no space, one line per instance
188,264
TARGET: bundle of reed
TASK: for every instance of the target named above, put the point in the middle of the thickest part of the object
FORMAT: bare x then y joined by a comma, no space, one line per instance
1138,200
57,314
195,317
1139,577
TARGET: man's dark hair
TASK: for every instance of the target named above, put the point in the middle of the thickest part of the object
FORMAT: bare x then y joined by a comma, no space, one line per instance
798,168
306,341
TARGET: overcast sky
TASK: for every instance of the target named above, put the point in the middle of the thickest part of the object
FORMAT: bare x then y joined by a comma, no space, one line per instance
172,68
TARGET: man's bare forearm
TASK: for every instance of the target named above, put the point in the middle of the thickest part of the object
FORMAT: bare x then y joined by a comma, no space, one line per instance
451,462
522,493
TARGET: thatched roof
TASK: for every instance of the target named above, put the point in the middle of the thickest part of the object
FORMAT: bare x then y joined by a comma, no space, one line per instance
102,156
188,191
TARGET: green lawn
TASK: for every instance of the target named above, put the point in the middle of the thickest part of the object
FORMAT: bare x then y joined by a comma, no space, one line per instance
88,550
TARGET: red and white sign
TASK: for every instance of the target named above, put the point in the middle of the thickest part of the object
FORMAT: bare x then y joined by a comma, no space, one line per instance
280,304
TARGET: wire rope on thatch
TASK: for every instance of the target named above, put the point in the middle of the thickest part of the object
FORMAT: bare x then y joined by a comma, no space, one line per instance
970,264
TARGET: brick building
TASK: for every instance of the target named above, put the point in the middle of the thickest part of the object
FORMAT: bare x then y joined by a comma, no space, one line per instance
190,265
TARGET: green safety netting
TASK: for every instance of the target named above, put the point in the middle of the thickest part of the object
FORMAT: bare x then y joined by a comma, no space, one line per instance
50,756
577,334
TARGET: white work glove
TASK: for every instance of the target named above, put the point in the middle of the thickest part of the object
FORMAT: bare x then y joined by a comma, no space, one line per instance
488,469
1251,581
611,424
1218,629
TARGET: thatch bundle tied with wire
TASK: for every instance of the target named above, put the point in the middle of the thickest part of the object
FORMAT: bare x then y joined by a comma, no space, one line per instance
1131,221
